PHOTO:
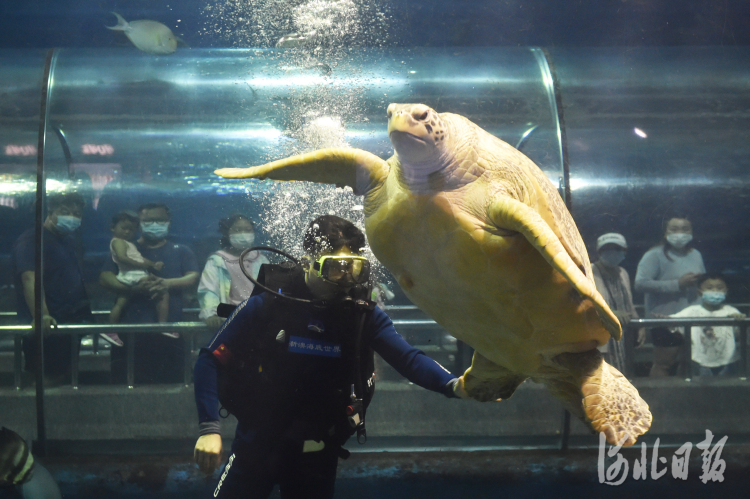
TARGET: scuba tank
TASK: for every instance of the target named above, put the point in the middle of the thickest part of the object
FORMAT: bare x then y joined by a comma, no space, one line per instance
267,379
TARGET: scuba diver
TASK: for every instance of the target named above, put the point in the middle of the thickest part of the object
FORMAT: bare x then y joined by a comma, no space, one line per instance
294,364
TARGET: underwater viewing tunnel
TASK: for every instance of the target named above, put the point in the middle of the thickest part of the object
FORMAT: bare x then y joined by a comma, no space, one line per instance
629,136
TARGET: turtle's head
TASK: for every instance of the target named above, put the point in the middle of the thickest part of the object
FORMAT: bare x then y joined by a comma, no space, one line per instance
418,134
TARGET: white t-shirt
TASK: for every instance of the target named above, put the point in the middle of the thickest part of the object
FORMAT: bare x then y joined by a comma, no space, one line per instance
719,350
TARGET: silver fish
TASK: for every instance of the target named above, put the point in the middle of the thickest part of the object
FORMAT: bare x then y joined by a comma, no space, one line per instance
149,36
295,40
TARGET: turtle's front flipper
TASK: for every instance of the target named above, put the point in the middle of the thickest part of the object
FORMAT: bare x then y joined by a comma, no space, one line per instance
355,168
486,381
510,214
598,394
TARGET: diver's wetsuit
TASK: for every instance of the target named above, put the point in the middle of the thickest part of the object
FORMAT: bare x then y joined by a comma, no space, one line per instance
257,463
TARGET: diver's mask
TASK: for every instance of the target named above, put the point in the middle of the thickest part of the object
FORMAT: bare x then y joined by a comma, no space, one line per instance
343,270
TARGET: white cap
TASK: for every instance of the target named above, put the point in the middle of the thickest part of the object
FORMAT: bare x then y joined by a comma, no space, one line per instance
611,238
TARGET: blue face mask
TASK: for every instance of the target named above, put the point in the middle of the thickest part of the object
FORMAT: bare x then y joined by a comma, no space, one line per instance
155,230
612,258
67,223
713,297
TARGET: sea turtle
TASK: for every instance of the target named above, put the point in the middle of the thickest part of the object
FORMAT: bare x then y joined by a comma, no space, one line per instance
480,240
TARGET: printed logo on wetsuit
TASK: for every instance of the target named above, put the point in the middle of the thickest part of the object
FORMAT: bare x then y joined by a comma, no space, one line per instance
314,347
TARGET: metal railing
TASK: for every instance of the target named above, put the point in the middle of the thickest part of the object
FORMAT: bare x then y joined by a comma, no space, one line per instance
128,331
190,329
686,357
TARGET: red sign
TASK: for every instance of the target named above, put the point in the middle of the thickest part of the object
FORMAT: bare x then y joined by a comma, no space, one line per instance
100,149
25,150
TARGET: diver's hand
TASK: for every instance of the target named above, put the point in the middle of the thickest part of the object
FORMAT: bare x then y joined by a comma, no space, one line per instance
207,452
214,322
459,391
48,322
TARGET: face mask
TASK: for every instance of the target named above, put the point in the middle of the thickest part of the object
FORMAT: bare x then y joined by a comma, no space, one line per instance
612,258
155,230
242,240
679,240
67,223
713,297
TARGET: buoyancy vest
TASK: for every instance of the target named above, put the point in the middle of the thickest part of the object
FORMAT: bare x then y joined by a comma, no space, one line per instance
296,362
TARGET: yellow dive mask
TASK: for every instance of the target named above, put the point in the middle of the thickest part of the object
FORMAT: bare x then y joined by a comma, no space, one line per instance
343,270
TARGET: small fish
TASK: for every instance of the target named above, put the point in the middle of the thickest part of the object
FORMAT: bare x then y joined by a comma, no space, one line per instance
295,40
16,461
150,36
324,68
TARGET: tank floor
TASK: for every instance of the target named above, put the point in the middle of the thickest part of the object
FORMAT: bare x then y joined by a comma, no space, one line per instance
428,474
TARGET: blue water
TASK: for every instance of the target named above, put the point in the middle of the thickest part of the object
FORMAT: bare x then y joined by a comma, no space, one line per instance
71,23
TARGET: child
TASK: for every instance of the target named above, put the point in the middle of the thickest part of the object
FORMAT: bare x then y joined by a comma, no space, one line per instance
713,346
132,269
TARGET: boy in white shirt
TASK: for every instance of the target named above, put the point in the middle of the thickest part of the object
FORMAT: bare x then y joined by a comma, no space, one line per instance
714,347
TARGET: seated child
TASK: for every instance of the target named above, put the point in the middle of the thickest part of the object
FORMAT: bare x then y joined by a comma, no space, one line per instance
132,269
713,347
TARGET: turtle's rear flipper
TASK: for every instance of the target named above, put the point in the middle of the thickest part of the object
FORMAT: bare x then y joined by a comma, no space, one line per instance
486,381
598,394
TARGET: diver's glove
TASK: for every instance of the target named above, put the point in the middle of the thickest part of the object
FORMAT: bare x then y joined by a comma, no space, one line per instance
455,389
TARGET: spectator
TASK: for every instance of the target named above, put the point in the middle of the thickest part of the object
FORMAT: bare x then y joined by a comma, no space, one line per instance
668,274
613,282
65,300
713,347
222,280
158,358
132,268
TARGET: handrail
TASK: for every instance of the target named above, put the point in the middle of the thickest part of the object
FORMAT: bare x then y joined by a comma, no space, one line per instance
156,327
190,328
688,321
195,310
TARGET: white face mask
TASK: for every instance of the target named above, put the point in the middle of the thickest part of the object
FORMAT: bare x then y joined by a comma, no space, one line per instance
613,257
679,240
713,297
242,240
155,230
67,223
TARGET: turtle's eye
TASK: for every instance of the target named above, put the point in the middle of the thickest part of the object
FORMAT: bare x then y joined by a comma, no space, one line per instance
423,116
389,113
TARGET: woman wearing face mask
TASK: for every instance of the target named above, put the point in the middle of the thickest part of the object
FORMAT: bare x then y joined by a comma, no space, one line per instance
613,283
222,280
668,274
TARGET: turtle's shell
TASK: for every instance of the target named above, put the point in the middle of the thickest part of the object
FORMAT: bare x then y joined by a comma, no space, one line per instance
487,286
